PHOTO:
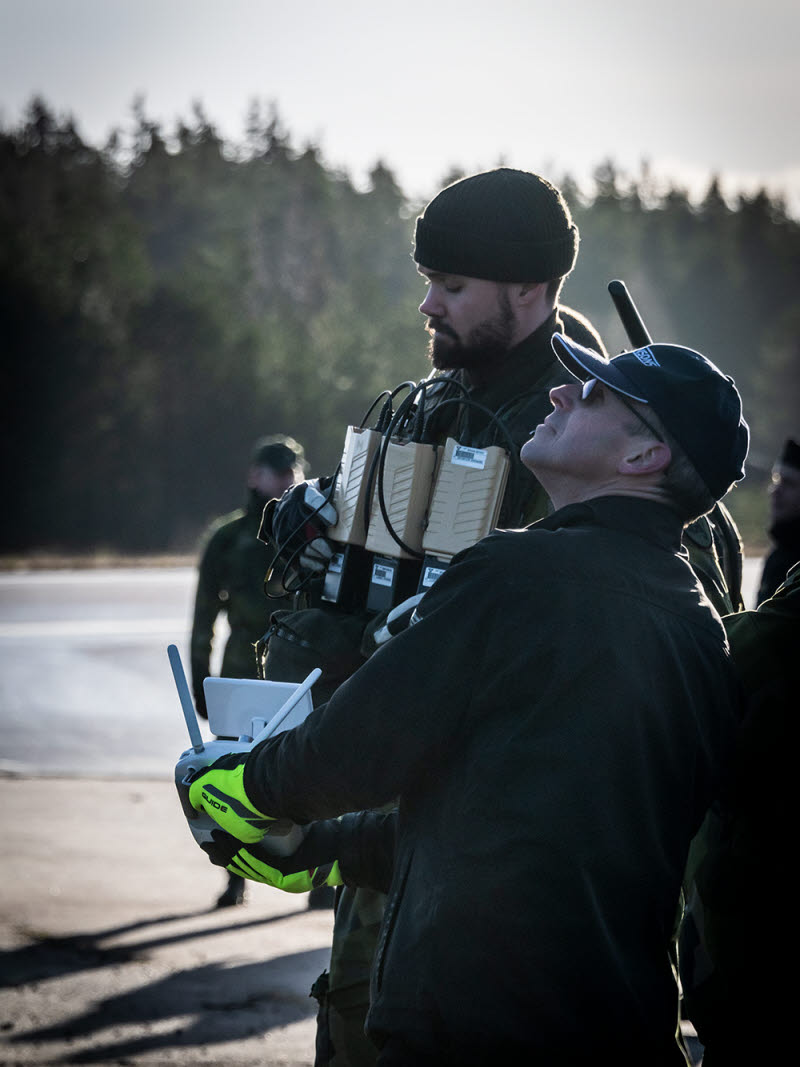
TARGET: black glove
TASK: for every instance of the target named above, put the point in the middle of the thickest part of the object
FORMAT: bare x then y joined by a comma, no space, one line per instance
297,523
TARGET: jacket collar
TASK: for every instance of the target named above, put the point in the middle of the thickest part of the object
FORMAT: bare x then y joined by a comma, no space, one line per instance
648,519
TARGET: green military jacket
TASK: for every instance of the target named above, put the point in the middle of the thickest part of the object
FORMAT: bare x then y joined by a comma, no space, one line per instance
230,581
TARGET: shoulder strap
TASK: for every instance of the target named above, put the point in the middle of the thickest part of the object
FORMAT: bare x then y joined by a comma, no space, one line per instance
730,551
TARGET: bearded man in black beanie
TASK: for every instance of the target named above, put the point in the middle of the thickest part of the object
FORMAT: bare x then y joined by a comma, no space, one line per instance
494,249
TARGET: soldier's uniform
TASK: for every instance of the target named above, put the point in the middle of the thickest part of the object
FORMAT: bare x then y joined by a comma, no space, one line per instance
232,573
230,580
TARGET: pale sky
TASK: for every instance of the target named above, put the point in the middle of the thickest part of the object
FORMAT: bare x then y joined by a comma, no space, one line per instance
694,87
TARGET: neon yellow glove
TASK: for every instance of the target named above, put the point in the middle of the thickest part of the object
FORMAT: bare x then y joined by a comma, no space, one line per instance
218,790
313,863
255,863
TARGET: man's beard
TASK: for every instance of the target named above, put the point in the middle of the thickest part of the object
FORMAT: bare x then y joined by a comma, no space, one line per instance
486,344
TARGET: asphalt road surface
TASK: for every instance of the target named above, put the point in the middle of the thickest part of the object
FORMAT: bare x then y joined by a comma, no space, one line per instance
85,683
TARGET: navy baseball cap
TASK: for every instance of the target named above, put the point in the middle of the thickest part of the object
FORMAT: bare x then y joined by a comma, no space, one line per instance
698,404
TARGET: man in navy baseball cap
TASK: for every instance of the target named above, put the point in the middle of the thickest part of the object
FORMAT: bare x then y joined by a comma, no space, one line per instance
585,708
698,406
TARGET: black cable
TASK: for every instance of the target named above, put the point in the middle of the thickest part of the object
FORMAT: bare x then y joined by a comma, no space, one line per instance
386,430
370,409
368,490
384,421
420,426
493,418
388,396
412,423
401,413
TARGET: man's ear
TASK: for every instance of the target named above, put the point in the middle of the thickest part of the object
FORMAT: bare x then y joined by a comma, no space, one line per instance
527,293
648,457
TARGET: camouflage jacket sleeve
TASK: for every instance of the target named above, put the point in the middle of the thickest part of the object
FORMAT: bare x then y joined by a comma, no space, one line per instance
715,553
207,606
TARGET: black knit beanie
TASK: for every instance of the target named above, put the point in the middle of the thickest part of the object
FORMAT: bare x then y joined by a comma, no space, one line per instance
503,225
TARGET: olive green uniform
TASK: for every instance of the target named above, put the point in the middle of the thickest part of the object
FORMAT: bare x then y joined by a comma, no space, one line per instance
233,566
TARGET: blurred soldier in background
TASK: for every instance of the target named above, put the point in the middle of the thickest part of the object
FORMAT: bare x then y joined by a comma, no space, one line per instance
233,567
784,529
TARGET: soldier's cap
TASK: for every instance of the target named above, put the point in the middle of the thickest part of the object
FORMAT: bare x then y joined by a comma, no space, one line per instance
279,453
698,405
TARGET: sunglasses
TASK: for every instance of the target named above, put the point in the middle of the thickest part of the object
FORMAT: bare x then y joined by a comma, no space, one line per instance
588,389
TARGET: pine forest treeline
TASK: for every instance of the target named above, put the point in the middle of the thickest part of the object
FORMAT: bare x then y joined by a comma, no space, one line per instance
165,301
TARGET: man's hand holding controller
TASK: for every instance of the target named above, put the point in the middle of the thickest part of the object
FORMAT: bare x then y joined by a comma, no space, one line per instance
211,790
312,864
218,791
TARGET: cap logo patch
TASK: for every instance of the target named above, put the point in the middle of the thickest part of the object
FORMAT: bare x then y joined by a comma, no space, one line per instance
645,355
